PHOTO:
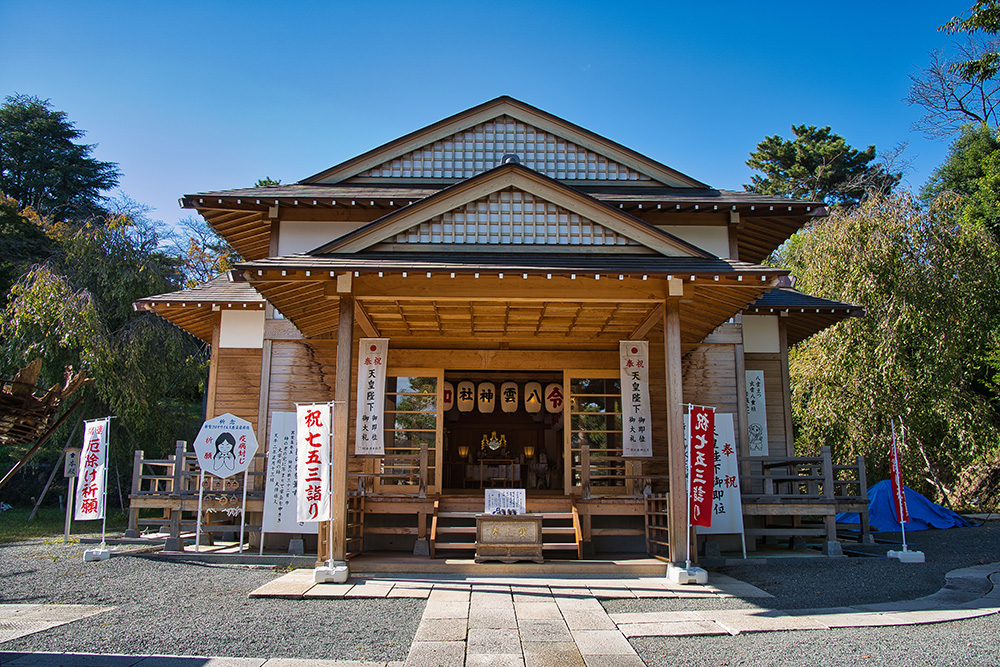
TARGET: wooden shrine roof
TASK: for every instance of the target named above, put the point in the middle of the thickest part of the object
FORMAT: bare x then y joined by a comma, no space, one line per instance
607,264
194,309
536,299
242,215
26,410
803,314
492,109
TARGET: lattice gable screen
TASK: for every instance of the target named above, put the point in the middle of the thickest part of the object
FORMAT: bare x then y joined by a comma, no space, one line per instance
512,216
473,151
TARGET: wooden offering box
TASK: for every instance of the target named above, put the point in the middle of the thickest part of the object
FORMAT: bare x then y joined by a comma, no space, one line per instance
509,538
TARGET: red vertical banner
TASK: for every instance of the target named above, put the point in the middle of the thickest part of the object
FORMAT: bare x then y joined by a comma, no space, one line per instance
312,425
896,475
702,465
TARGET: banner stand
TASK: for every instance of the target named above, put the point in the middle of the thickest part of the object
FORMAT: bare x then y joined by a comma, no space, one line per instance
687,574
102,552
243,511
197,524
332,571
899,501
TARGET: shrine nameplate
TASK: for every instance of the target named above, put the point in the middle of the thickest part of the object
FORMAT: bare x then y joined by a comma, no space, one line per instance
509,538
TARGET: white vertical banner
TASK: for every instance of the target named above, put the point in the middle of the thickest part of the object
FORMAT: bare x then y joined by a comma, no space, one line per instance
312,427
634,357
369,439
280,493
756,414
90,490
727,505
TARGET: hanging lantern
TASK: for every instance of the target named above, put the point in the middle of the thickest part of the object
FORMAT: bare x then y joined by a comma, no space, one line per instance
533,397
486,394
448,396
508,397
554,397
466,397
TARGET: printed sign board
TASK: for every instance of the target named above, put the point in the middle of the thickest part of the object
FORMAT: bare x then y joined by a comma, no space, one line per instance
225,445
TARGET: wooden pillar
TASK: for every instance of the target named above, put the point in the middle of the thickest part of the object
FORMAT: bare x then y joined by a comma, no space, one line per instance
675,430
213,368
786,389
341,418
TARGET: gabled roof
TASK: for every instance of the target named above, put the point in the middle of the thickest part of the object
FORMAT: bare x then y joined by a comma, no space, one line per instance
193,309
803,314
504,111
522,183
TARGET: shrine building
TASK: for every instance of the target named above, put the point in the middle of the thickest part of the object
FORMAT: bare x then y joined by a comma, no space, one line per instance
505,254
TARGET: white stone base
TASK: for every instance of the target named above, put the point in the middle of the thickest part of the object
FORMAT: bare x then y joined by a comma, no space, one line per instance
334,572
686,575
96,554
907,556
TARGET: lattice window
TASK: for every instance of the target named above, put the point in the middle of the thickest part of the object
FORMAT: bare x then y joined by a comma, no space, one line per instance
473,151
513,217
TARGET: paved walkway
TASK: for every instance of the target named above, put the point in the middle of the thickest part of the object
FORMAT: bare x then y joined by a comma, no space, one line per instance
518,621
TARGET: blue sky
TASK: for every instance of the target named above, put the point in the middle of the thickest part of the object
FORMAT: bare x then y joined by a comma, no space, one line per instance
196,96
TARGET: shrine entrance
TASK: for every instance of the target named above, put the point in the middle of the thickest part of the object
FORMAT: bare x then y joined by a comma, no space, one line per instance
513,443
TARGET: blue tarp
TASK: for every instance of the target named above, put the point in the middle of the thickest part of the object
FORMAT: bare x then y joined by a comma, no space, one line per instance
923,513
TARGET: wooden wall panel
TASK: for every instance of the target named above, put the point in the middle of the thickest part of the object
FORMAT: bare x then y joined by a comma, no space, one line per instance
771,365
238,383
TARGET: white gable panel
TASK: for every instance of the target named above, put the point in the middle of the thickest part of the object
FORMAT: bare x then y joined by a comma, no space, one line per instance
512,217
712,239
480,148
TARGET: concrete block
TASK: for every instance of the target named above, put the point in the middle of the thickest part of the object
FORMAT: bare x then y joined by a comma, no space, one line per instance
552,654
421,548
832,549
602,642
544,631
441,630
493,641
435,654
296,546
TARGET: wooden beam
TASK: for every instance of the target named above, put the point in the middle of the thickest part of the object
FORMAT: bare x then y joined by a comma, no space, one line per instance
365,322
675,431
655,317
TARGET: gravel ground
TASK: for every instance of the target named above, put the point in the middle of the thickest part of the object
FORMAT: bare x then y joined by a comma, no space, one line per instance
820,582
194,609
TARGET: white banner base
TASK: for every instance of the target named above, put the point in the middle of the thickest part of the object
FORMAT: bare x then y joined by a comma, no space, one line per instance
686,575
98,554
333,572
907,556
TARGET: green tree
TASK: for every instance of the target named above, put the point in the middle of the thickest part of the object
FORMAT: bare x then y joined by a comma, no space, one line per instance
817,165
964,164
77,311
267,180
22,243
984,18
930,286
43,167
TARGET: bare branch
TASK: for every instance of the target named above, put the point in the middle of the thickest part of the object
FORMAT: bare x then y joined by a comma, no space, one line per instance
950,101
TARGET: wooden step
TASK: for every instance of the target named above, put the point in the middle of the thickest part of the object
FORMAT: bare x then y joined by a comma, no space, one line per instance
470,530
455,545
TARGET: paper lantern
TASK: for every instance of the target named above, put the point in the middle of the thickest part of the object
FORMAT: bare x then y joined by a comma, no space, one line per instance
466,397
486,395
554,397
508,397
533,397
448,396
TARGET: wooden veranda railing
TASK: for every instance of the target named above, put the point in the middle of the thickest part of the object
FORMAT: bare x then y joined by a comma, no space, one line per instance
168,488
801,496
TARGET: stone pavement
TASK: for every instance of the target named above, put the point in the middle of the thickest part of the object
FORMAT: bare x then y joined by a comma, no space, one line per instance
522,621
